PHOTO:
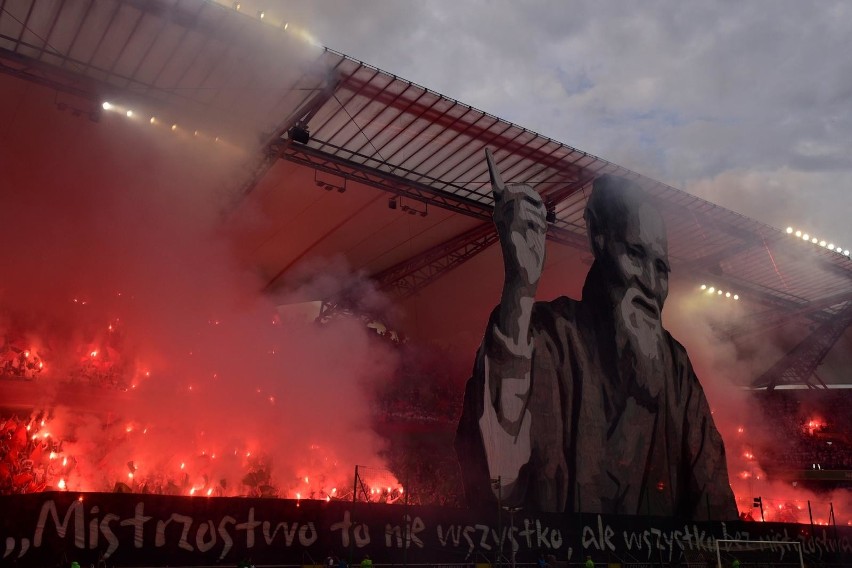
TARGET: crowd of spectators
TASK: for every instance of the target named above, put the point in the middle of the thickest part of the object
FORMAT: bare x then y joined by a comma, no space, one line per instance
806,429
27,460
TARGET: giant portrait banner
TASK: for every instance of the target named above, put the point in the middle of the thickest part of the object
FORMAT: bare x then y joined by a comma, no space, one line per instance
135,530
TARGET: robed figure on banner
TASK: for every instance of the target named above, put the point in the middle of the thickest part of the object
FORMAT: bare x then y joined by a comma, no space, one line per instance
589,405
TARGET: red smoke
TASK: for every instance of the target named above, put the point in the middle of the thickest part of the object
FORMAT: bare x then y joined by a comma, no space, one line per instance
163,365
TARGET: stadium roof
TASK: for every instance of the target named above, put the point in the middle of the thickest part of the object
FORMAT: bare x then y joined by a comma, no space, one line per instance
371,128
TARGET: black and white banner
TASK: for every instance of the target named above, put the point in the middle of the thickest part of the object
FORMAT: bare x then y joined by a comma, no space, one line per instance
128,529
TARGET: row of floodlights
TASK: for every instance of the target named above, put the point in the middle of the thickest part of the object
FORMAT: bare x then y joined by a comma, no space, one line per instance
713,291
261,15
129,113
816,241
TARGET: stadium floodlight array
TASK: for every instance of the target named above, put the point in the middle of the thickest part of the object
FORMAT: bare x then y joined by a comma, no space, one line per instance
817,241
153,120
718,292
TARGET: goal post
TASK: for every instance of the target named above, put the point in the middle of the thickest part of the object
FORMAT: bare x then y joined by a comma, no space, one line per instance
758,553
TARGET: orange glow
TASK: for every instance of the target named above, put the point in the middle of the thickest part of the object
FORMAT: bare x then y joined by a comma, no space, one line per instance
61,484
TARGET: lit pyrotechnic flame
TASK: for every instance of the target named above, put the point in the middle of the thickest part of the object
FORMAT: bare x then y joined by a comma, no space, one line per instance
61,484
64,462
94,353
53,455
209,492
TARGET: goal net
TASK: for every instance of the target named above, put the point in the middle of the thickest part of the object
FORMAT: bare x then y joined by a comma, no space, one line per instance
758,554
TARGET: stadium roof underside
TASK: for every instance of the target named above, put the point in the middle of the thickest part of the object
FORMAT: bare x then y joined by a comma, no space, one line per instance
372,127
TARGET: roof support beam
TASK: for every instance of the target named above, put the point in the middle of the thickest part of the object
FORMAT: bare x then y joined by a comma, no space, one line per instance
276,144
798,366
408,277
774,319
348,169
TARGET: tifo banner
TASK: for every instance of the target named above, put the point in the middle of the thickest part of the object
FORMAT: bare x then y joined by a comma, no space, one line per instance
131,529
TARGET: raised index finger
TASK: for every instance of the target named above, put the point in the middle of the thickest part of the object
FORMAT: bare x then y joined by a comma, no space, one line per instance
497,185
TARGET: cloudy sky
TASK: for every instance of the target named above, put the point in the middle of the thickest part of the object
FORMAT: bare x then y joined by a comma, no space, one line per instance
748,105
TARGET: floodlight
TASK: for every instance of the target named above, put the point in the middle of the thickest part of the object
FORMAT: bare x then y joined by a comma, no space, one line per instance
846,252
712,289
129,113
704,286
822,243
174,126
106,106
286,25
831,246
798,233
789,230
727,294
814,240
736,297
806,237
153,120
719,292
261,14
